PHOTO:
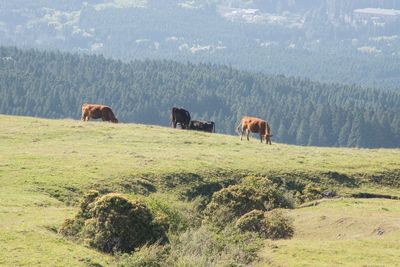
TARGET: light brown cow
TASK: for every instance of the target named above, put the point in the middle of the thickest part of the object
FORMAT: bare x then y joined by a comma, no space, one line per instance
255,125
95,111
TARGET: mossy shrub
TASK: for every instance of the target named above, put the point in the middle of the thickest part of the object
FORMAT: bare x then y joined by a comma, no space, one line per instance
278,225
168,216
234,201
272,224
252,221
146,256
113,223
311,192
71,227
86,202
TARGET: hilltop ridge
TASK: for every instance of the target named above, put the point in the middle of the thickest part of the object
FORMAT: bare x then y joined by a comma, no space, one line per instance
47,165
299,111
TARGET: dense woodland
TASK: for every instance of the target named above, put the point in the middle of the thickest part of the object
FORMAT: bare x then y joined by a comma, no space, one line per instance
305,38
300,111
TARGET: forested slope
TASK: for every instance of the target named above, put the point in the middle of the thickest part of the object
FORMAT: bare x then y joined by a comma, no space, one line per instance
305,38
300,111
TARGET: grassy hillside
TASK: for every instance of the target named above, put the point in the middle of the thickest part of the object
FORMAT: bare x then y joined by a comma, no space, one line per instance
343,232
46,166
300,111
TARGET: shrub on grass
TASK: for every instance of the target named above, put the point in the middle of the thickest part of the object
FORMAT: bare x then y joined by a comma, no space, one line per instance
204,247
146,256
278,225
114,223
234,201
252,221
87,199
71,227
311,192
172,218
273,224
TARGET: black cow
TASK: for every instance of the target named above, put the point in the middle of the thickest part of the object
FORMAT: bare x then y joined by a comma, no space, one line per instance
206,126
181,116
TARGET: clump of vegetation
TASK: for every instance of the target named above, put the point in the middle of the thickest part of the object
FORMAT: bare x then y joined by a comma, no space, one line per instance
204,247
171,218
310,192
252,221
254,193
278,225
113,223
272,224
72,227
201,247
149,256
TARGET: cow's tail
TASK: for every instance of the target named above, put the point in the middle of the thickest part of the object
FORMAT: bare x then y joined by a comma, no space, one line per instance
113,118
238,127
189,119
173,116
188,114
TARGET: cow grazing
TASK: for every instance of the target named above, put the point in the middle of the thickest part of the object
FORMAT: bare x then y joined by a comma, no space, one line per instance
206,126
181,116
255,125
95,111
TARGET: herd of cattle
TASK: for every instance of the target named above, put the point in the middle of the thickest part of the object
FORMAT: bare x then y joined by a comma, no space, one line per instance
180,116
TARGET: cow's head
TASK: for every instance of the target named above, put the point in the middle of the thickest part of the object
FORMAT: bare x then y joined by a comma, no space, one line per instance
114,120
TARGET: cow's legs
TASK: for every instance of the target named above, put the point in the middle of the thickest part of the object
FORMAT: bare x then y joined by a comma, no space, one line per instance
261,138
241,134
84,117
248,134
88,116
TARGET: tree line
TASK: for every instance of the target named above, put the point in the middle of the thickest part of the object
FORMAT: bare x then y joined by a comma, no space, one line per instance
300,111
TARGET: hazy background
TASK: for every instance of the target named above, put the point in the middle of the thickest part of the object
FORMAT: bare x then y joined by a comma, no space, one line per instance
343,41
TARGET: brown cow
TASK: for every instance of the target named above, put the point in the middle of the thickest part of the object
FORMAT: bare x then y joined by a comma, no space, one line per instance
95,111
255,125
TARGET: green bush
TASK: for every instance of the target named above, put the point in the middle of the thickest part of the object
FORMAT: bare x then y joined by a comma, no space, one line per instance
253,193
71,227
311,192
272,224
203,247
147,256
253,221
171,218
278,225
87,199
113,223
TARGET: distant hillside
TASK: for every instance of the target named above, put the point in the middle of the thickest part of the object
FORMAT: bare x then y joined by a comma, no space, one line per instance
342,41
300,111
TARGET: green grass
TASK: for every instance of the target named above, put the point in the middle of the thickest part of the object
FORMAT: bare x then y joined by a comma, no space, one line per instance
46,164
342,232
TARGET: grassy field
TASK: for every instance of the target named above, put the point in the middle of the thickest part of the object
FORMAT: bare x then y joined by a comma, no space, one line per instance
46,165
341,232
